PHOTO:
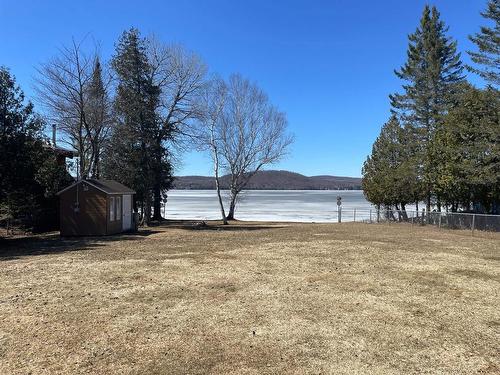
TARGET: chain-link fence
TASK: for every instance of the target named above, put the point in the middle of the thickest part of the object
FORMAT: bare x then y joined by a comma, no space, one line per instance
450,220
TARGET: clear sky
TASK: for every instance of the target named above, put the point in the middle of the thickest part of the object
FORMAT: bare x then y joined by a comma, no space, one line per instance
327,64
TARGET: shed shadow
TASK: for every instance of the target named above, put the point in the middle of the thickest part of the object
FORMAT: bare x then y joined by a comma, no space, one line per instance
53,243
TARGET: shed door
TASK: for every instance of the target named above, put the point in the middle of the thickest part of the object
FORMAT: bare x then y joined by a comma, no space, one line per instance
127,212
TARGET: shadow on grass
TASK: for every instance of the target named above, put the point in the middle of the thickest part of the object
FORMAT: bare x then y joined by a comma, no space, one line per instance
234,226
52,243
16,247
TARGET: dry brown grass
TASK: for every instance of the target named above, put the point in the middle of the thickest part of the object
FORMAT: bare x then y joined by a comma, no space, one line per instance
253,299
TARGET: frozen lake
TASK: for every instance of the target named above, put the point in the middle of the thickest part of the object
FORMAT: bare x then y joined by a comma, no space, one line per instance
271,205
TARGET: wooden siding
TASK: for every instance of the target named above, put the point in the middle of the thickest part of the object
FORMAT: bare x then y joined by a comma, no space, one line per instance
92,217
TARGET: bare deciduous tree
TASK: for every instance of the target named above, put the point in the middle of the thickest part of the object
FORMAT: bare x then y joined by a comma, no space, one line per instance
244,133
75,95
207,135
180,77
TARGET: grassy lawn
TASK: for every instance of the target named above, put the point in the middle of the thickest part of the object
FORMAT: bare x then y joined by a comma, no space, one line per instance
253,299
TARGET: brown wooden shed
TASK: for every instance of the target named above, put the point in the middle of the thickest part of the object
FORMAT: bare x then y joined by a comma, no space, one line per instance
95,208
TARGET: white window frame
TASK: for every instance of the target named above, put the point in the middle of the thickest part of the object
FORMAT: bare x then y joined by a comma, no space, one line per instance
111,208
118,208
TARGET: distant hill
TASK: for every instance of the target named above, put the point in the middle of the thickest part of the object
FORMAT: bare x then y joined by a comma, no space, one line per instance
274,180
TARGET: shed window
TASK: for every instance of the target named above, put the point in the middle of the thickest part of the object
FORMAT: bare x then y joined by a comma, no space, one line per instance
111,208
118,208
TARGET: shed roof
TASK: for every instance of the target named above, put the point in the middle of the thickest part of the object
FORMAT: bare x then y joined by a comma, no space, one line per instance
106,186
111,186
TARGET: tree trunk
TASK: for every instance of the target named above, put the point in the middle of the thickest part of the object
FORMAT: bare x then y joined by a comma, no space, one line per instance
147,210
81,160
215,156
157,201
98,169
219,196
232,205
428,208
95,162
157,171
221,204
403,212
142,213
390,215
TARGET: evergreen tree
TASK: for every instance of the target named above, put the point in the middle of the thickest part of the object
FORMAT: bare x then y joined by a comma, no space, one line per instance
131,155
488,44
389,176
431,72
469,150
156,102
29,173
98,116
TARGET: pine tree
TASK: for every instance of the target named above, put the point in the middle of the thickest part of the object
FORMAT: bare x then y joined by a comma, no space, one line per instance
431,72
153,98
131,153
389,176
488,44
29,174
377,168
98,117
20,146
469,150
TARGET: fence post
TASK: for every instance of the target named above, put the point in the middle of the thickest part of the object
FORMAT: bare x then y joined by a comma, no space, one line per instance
473,222
423,216
440,220
378,215
354,215
339,214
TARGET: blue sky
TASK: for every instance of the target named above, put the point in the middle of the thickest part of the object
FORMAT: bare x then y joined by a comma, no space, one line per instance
327,64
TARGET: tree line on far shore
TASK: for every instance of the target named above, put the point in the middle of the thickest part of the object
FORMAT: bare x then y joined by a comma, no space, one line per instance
441,144
128,119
